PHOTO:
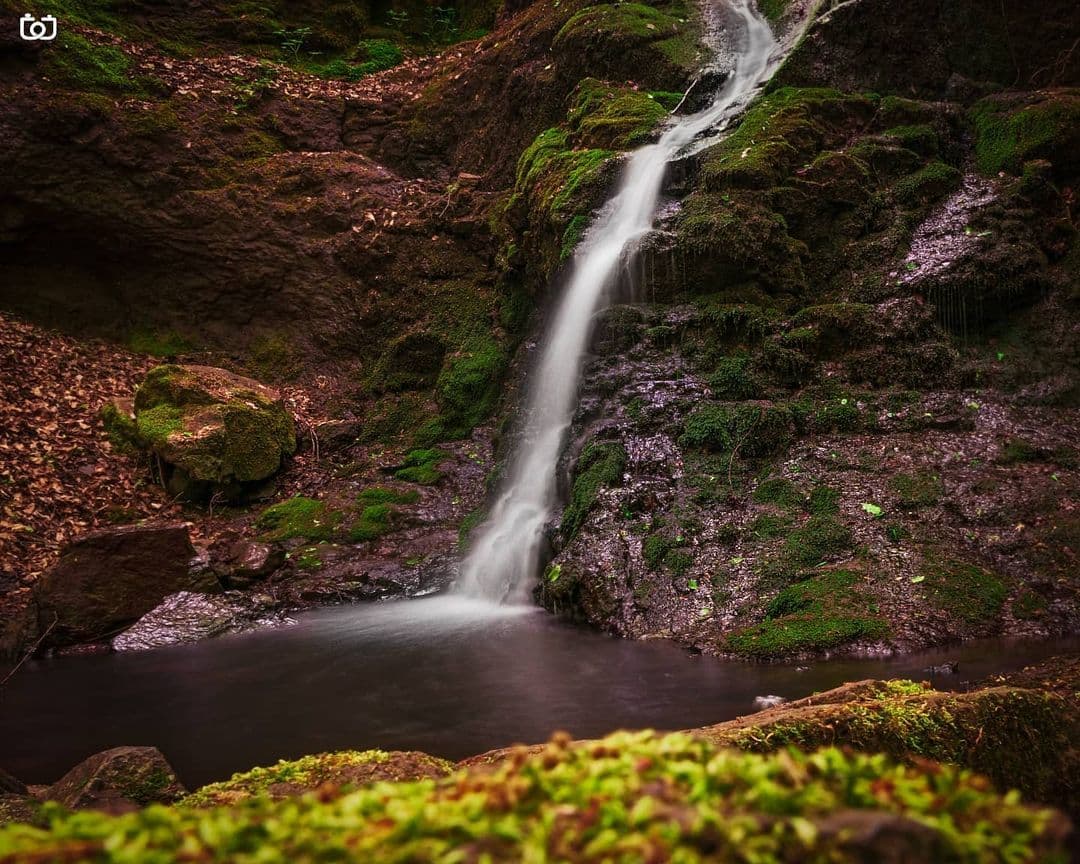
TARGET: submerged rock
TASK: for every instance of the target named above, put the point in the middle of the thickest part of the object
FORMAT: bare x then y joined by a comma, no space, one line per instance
106,580
119,780
188,617
217,432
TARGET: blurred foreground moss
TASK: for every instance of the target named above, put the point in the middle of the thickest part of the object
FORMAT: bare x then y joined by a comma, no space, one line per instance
629,797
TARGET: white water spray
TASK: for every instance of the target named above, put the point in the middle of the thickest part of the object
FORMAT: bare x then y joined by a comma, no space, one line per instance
503,560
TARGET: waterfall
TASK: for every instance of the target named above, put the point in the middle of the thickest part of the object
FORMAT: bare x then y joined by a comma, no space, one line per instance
501,565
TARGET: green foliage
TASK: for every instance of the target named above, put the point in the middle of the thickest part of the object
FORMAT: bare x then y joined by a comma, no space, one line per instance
298,517
420,466
756,430
920,138
921,489
817,614
969,592
592,802
600,465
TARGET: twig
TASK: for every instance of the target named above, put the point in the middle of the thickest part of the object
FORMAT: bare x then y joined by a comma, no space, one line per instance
685,95
31,652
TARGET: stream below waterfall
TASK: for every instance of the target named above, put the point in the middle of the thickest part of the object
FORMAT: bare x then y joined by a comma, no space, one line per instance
446,675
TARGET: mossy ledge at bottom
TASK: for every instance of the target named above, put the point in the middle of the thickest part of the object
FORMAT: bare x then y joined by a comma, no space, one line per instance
698,796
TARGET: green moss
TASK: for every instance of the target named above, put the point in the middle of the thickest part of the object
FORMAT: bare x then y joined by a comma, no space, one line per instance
782,131
962,589
929,184
733,379
298,517
1011,131
600,465
469,386
370,56
374,521
820,538
768,526
818,614
634,24
920,138
756,430
977,730
344,769
921,489
275,355
165,344
382,495
420,466
468,525
120,429
592,802
781,492
823,501
156,425
774,9
90,66
613,118
575,230
308,558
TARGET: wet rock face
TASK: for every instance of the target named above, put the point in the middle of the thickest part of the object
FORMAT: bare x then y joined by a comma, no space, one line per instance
119,780
823,392
217,432
106,580
188,617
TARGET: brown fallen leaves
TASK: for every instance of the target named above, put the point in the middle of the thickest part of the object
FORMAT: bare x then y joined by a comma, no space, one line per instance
59,476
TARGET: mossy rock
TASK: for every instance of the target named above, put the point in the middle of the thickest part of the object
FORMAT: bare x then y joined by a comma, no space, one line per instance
216,431
751,429
600,465
1014,129
593,802
299,516
964,591
1021,738
344,769
822,613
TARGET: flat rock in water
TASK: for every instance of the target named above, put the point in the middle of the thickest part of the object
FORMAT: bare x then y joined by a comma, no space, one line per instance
118,780
188,617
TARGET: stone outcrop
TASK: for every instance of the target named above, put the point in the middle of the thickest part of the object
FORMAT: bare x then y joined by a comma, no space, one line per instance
118,780
107,580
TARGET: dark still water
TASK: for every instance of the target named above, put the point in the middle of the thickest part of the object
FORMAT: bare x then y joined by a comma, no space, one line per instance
449,676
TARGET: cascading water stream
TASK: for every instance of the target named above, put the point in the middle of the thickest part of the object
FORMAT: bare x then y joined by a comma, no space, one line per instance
503,560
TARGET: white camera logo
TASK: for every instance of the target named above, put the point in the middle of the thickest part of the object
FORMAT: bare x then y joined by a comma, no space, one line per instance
37,30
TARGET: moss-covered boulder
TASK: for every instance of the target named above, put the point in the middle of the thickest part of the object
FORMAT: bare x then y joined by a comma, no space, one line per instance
1021,737
213,430
628,797
118,779
344,769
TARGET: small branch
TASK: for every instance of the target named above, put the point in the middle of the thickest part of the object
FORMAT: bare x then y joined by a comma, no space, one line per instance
31,652
685,96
